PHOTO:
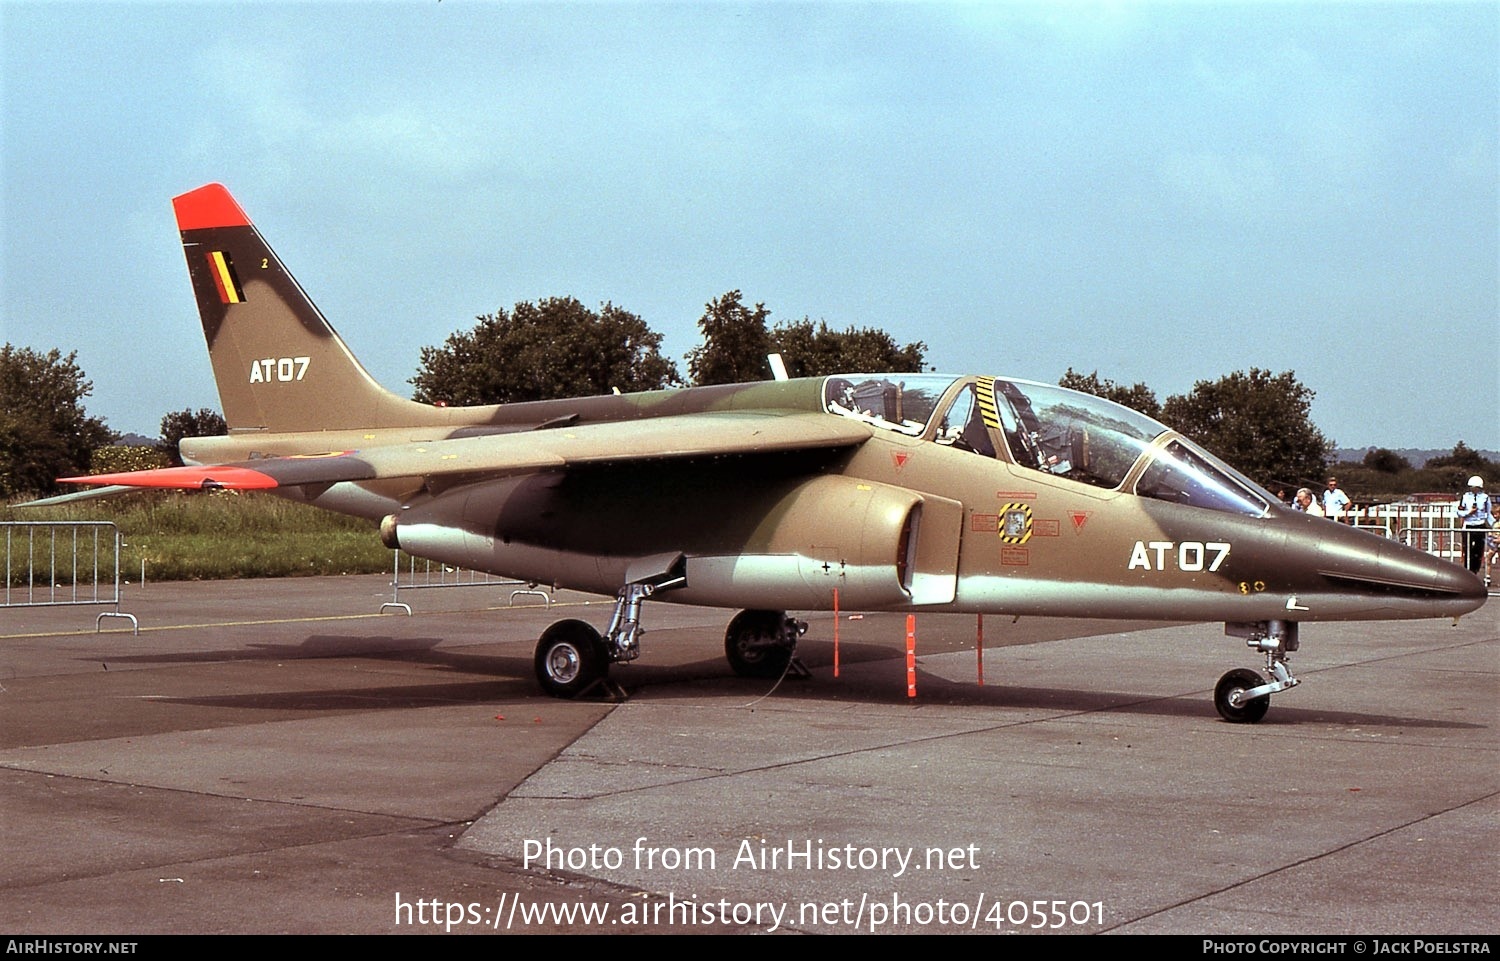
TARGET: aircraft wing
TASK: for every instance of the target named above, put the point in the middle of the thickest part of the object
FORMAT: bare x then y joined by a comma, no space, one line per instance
674,437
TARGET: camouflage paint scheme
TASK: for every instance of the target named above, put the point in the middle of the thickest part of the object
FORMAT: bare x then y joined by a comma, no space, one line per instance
901,492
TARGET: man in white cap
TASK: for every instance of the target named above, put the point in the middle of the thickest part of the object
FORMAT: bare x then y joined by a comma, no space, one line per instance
1477,518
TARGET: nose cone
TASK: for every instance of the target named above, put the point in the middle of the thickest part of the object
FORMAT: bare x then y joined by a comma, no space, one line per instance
1464,585
1421,571
1405,579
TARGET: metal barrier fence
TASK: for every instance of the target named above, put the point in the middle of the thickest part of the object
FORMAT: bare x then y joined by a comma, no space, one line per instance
1433,528
1444,542
423,574
63,563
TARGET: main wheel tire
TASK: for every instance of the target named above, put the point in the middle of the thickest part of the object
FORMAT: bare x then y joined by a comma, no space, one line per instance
570,658
752,644
1229,706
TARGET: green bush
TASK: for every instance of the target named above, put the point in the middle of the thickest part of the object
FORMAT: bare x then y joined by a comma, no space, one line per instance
121,458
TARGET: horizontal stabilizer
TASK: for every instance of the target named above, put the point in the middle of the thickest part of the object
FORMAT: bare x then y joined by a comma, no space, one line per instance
76,496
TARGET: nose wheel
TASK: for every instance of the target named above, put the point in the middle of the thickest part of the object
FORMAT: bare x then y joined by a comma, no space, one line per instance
1231,702
1243,696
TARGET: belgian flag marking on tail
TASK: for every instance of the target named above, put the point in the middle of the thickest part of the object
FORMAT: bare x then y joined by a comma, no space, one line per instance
228,282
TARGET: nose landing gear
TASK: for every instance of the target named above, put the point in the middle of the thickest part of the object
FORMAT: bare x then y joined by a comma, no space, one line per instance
1243,696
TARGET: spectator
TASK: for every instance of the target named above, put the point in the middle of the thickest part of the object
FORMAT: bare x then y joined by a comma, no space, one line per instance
1477,518
1305,503
1335,501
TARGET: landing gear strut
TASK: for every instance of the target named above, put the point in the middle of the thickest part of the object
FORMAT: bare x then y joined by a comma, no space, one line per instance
572,658
1243,696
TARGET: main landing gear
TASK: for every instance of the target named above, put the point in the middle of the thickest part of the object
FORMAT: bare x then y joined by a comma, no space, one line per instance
573,659
1243,696
762,643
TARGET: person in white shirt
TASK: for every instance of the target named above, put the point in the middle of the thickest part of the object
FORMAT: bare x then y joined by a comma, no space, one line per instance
1477,517
1335,501
1304,502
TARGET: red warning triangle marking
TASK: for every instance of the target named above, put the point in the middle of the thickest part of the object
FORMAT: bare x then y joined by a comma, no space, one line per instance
899,457
1079,519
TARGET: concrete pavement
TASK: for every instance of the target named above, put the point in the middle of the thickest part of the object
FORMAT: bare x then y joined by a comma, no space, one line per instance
275,756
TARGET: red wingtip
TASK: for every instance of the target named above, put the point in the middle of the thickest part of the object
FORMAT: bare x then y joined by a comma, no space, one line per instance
208,206
184,478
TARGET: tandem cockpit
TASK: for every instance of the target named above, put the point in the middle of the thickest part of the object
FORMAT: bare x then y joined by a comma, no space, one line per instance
1051,430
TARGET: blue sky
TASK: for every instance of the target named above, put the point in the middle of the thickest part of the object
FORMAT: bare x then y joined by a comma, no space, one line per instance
1164,192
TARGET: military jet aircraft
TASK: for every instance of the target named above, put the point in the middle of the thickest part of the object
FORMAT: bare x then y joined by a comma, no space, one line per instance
900,492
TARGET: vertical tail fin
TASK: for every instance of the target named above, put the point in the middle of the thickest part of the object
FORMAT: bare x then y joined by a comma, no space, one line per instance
278,363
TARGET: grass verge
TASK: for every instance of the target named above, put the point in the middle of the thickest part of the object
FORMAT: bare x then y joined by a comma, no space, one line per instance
200,536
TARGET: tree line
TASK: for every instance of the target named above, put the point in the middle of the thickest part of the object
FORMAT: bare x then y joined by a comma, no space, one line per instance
558,347
1258,421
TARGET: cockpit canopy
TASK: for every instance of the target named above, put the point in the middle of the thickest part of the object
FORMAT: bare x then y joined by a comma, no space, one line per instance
1053,430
